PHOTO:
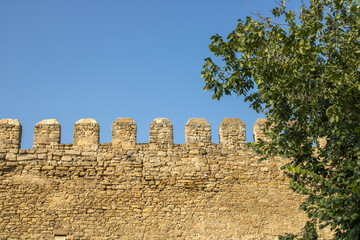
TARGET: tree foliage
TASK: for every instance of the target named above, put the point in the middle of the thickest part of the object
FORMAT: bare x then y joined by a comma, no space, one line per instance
303,74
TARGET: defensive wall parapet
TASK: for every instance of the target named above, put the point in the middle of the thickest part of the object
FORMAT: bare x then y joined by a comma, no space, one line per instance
47,133
129,190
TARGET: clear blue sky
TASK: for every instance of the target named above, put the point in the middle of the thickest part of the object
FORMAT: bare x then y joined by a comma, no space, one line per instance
108,59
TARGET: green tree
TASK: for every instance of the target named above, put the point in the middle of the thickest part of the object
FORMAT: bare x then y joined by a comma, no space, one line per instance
303,75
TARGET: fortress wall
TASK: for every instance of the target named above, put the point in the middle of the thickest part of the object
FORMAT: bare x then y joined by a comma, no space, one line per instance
129,190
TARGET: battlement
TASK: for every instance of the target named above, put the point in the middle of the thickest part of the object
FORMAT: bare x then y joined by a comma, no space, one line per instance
155,190
47,133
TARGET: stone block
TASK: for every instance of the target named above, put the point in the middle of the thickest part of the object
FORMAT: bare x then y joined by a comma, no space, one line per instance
86,132
258,130
124,133
47,133
232,133
10,134
197,131
161,131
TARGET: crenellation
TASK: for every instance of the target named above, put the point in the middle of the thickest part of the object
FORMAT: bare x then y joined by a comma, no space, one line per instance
10,134
258,130
47,133
86,133
232,133
197,131
161,132
124,133
155,190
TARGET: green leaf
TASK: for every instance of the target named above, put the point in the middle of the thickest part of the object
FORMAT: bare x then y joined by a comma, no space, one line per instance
306,71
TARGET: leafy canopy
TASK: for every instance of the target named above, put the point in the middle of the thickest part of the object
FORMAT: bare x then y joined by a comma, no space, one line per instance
304,76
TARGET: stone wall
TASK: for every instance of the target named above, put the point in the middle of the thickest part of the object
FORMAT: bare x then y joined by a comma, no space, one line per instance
129,190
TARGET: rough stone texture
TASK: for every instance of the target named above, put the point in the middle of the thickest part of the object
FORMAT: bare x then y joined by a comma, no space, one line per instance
10,134
47,133
258,130
124,133
232,133
161,131
86,133
197,131
186,191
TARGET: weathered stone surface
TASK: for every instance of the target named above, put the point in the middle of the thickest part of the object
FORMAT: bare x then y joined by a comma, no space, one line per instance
27,157
47,133
72,152
258,130
86,132
160,190
232,133
161,131
197,131
124,133
10,134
